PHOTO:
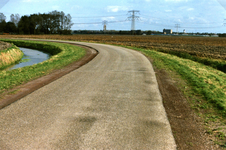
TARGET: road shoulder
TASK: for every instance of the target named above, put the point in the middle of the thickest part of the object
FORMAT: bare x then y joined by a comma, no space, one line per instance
188,129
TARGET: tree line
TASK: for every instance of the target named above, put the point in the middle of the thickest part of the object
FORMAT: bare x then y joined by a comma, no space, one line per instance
54,22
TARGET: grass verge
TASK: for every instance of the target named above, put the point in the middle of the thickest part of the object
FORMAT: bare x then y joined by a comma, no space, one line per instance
218,64
62,55
205,81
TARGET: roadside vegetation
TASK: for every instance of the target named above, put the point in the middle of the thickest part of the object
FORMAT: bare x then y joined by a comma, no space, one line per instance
62,55
10,56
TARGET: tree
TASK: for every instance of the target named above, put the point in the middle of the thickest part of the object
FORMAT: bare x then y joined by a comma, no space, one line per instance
68,22
48,23
2,17
2,26
65,23
36,23
10,28
24,25
15,19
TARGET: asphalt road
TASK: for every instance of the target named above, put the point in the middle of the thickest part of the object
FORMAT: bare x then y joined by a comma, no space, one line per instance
113,102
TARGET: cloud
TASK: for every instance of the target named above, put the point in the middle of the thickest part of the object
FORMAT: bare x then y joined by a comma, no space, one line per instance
116,8
168,10
29,1
176,1
56,7
32,1
108,18
190,9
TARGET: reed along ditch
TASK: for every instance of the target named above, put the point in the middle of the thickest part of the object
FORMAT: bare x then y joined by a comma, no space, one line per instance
31,57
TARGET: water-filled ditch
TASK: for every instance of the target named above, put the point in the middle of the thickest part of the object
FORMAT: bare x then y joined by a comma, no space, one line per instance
31,57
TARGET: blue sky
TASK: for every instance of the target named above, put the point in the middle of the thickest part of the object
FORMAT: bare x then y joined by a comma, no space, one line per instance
191,15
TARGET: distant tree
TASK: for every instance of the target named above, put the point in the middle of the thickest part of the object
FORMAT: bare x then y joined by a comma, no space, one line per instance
2,26
2,17
24,25
54,22
36,23
65,23
10,28
15,19
68,22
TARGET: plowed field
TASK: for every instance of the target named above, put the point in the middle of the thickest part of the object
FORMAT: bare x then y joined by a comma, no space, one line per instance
211,47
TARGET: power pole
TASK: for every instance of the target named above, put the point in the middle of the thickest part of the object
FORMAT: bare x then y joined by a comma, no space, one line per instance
177,26
105,25
133,18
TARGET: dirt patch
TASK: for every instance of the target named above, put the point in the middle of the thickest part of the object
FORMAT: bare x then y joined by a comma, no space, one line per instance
4,45
188,129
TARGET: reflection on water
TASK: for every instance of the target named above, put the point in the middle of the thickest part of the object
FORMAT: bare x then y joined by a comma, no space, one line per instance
31,57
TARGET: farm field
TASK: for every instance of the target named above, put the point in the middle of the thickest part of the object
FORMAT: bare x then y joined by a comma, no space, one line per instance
209,47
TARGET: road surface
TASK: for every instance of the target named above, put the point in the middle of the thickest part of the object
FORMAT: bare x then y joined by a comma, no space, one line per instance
113,102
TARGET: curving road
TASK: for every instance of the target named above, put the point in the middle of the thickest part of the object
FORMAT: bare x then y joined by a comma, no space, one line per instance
113,102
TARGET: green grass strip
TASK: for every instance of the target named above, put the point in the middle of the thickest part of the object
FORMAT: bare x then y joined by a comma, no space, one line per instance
205,81
62,55
218,64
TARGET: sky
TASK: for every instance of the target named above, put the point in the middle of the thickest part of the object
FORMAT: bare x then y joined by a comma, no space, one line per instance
190,15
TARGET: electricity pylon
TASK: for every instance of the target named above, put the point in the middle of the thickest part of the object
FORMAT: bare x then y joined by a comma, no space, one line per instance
133,18
105,25
177,26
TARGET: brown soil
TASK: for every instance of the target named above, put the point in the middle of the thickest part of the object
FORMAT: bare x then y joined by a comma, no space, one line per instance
210,47
188,131
4,45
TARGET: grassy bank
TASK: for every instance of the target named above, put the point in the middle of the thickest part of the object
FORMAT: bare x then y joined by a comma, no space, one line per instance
62,55
205,82
10,56
218,64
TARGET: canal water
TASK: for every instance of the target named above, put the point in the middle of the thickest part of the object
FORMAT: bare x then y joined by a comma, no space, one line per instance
31,57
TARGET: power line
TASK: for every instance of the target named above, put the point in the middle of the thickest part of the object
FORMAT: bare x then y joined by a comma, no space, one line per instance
102,22
151,17
98,16
133,17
